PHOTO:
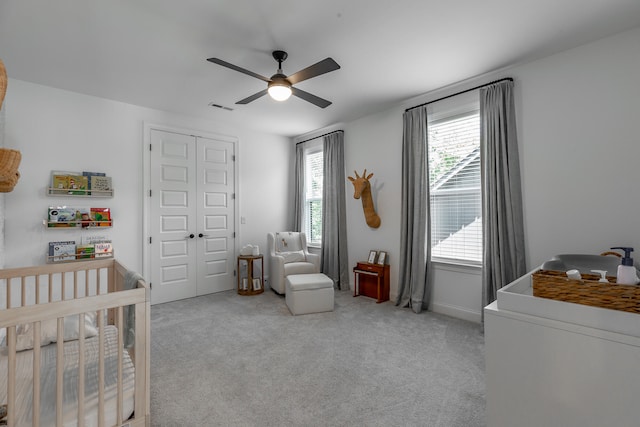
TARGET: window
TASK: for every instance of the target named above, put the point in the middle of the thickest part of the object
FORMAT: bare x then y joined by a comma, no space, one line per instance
313,167
454,180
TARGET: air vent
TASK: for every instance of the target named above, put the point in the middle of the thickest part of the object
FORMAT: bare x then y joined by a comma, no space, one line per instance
222,107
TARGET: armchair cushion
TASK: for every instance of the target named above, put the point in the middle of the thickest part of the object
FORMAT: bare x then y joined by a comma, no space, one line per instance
288,241
292,256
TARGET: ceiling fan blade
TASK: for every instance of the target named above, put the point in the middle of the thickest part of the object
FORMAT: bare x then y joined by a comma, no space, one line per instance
252,97
236,68
325,66
315,100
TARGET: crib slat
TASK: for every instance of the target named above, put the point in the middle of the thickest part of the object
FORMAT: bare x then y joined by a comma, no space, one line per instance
8,293
75,285
120,325
23,289
11,376
38,289
81,370
36,373
139,361
59,371
101,369
63,280
50,279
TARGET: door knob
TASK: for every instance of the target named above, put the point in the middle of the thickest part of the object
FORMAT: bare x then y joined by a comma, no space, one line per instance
190,236
203,235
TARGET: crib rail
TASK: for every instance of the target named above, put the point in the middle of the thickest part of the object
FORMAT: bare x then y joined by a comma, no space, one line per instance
51,293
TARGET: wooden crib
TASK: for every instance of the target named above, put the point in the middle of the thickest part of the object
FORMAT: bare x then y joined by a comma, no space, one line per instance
75,346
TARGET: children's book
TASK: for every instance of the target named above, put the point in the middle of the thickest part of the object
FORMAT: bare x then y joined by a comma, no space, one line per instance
85,251
83,215
85,173
78,184
103,249
62,251
101,217
100,185
59,184
62,216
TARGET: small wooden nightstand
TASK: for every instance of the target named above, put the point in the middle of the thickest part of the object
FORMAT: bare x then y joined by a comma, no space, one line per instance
247,284
371,280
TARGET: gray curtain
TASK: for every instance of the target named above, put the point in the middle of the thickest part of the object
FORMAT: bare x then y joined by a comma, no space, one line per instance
415,244
298,191
334,259
502,217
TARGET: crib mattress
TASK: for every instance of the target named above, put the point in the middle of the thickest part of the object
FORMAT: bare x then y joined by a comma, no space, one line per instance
24,382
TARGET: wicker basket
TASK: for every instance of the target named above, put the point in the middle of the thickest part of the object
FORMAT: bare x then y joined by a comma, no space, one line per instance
9,175
588,291
3,82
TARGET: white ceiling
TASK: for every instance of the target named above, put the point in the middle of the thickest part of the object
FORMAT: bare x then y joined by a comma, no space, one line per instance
153,52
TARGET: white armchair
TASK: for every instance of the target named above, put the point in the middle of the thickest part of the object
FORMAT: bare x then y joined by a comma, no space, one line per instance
288,255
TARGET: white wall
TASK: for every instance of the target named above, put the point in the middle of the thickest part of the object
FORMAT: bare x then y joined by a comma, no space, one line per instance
61,130
577,117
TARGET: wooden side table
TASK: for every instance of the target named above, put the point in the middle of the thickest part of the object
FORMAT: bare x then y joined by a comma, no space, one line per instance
247,284
371,280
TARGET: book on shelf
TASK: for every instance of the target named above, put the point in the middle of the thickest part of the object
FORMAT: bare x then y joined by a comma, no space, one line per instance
85,251
83,216
100,184
62,216
60,181
101,217
60,184
62,251
102,249
85,173
95,238
78,184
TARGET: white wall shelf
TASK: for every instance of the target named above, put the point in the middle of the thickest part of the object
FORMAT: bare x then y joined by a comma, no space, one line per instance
83,225
57,192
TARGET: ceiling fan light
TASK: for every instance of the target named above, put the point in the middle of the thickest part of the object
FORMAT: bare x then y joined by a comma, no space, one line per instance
279,91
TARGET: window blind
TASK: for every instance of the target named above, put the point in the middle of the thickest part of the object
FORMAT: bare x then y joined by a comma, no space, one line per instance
454,182
313,195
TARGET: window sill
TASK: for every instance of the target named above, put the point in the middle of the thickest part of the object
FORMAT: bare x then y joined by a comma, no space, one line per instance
457,266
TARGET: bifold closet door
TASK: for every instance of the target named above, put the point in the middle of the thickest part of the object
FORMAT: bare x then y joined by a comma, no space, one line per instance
215,215
192,216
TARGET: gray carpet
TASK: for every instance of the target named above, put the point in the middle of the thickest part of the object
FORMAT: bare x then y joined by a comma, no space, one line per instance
230,360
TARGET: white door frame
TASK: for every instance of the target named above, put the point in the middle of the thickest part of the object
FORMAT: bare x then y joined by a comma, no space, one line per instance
146,186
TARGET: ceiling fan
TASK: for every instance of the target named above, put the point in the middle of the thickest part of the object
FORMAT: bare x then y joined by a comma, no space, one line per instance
279,86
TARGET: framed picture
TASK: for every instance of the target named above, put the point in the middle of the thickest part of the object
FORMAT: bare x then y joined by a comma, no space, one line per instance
372,257
382,258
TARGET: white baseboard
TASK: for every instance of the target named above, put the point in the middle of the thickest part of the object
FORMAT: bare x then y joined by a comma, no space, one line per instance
458,312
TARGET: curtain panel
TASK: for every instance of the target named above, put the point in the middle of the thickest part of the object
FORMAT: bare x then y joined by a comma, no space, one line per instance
502,214
414,286
334,258
298,191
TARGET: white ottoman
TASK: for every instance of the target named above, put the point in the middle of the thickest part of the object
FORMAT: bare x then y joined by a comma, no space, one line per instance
309,293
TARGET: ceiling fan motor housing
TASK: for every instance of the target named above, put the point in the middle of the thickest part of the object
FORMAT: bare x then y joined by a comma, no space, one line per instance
279,55
279,79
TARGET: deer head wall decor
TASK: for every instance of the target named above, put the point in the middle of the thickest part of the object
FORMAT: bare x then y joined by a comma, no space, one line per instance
362,190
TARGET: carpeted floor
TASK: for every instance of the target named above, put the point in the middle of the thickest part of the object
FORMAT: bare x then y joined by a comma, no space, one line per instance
230,360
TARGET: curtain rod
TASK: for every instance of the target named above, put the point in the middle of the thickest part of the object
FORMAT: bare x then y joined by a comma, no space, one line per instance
316,137
460,93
